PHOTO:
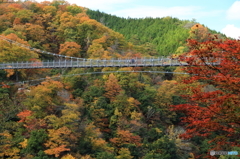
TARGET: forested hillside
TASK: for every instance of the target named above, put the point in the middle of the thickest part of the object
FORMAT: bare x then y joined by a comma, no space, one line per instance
165,35
73,113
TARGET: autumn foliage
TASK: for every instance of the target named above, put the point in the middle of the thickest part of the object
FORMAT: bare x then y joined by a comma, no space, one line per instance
70,113
213,110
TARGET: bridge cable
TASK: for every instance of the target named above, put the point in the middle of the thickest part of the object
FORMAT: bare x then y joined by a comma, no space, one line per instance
89,73
37,50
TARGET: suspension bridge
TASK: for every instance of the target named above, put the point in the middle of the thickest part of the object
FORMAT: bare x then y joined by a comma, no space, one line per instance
88,63
75,62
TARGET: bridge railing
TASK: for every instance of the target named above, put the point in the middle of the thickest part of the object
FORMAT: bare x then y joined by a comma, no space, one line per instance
135,62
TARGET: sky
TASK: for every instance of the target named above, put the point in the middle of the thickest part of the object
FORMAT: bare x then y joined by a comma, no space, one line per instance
220,15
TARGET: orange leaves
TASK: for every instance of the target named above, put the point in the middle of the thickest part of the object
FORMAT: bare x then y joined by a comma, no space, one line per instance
112,87
199,32
125,137
70,49
35,32
57,150
24,115
58,141
5,85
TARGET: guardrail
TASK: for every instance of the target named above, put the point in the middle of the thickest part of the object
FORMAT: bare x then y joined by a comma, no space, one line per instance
142,62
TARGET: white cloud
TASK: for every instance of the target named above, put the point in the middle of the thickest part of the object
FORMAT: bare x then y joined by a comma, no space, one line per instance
234,11
130,8
231,31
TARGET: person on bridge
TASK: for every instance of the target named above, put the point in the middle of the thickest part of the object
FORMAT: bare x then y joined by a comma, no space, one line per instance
132,61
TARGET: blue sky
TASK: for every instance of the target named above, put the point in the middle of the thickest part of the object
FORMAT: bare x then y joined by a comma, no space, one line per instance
219,15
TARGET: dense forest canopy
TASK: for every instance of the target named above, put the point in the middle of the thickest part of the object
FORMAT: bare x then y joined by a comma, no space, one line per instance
61,113
165,35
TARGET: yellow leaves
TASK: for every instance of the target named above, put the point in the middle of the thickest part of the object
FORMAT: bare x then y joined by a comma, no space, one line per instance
7,146
93,134
58,141
99,143
70,116
50,9
24,143
95,50
192,156
70,113
92,131
54,121
68,156
44,94
165,93
133,102
135,115
10,72
12,153
124,153
6,134
158,130
86,157
57,137
11,52
117,112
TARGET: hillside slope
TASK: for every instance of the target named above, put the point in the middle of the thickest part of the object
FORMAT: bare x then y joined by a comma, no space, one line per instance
165,34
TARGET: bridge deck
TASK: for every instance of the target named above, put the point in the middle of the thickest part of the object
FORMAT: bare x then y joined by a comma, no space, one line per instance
143,62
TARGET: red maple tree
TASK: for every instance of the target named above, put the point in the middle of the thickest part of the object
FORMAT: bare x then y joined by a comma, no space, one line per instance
213,113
